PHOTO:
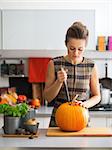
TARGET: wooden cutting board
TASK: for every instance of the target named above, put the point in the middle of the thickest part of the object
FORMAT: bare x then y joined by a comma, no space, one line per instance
20,135
100,132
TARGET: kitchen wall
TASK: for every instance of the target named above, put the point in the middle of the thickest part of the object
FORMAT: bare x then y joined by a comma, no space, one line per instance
103,9
103,19
43,29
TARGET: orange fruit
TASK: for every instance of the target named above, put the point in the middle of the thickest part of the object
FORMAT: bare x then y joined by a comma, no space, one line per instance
35,102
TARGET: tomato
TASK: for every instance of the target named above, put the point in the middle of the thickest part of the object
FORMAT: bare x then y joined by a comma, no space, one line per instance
22,98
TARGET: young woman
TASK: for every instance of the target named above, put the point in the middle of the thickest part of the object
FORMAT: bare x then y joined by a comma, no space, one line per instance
79,72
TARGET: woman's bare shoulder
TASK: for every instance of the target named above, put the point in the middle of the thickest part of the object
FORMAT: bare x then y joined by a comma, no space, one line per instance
50,64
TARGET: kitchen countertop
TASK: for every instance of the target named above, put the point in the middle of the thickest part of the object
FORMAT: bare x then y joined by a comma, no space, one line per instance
44,142
46,112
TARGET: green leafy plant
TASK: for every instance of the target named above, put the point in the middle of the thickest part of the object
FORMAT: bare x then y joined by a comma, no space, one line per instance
18,110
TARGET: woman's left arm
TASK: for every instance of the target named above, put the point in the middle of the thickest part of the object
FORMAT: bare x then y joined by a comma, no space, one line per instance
95,89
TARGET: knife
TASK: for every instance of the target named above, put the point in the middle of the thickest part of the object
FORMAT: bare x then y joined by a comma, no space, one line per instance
66,87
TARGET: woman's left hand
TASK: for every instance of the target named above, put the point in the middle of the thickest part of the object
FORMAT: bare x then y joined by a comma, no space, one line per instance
80,103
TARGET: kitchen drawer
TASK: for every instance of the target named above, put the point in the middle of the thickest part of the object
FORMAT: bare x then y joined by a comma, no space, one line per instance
1,121
109,122
46,122
41,122
97,122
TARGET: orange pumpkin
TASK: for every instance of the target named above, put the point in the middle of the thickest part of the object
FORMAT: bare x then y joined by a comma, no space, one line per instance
71,117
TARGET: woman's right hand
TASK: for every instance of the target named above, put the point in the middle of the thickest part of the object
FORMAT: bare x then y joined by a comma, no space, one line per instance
62,75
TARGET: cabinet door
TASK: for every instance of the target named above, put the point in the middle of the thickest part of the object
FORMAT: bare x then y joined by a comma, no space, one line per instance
97,122
41,122
1,121
19,29
109,122
46,122
42,29
0,30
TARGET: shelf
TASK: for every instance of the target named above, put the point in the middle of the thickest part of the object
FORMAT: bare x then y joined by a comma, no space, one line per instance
30,53
5,76
98,55
24,54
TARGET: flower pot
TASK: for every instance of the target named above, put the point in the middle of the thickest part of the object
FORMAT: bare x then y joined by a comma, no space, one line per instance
11,124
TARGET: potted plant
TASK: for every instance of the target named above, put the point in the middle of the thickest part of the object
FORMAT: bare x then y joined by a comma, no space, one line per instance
12,116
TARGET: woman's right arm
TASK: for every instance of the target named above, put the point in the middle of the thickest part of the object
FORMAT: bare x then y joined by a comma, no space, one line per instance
53,85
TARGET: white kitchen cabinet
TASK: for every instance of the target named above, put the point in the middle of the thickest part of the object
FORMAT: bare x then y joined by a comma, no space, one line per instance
109,122
94,122
43,122
97,122
46,122
0,30
43,29
1,121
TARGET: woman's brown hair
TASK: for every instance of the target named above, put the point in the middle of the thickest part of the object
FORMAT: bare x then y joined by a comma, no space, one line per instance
77,31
